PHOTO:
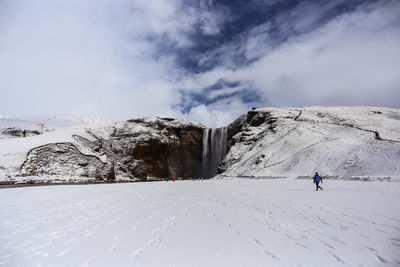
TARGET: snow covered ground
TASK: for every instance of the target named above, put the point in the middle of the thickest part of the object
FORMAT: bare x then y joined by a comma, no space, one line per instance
228,222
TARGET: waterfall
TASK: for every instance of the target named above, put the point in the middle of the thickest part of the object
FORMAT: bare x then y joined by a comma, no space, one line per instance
205,163
215,146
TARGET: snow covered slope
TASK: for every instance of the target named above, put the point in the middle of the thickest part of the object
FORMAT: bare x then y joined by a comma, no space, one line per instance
334,141
229,222
47,122
19,136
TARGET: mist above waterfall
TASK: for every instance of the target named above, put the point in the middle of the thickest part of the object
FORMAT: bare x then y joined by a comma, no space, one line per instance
215,146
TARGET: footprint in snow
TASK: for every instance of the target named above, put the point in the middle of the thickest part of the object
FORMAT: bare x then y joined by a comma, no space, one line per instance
270,254
380,230
152,241
62,253
87,262
394,243
89,233
113,248
256,241
304,237
137,253
171,221
371,249
237,232
380,259
337,239
71,241
288,236
119,236
327,245
155,231
333,256
303,246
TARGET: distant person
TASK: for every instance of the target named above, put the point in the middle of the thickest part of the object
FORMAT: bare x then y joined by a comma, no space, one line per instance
317,180
173,179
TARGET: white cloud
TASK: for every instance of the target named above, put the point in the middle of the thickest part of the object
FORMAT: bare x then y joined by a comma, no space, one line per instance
218,114
353,60
111,59
97,57
212,17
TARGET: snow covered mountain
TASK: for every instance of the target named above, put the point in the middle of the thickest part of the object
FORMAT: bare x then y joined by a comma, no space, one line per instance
342,142
362,142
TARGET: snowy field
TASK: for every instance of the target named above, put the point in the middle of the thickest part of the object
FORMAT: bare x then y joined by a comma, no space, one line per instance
230,222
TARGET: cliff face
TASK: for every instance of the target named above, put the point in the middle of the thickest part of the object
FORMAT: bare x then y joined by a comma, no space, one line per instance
167,147
130,150
335,141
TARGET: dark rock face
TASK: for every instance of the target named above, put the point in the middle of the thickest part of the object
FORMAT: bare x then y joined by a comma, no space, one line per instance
241,131
256,118
136,149
242,125
237,126
170,150
17,132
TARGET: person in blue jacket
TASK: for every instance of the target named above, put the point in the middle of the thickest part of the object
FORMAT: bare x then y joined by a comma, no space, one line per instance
317,180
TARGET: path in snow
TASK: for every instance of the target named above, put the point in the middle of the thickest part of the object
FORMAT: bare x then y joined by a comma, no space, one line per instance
236,222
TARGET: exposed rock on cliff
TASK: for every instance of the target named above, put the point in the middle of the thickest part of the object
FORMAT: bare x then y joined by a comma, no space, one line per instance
130,150
65,159
166,146
17,132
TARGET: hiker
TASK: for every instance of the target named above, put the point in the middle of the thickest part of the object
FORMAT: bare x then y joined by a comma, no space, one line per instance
317,179
173,179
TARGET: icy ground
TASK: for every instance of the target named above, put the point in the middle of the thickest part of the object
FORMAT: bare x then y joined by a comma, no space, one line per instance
230,222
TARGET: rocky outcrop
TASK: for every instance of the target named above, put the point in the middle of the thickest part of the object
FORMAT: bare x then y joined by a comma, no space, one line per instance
134,150
17,132
65,159
166,146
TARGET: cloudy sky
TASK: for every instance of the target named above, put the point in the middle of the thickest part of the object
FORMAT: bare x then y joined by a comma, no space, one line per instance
203,60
